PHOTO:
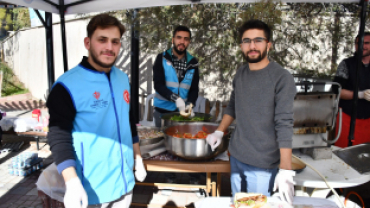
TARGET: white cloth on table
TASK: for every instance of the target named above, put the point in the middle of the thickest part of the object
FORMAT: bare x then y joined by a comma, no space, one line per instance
152,149
272,202
7,123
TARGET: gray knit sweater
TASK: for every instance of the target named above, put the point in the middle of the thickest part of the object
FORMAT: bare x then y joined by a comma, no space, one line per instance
262,104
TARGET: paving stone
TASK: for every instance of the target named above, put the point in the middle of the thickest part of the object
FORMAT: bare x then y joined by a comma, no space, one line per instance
3,192
9,186
20,190
33,192
27,203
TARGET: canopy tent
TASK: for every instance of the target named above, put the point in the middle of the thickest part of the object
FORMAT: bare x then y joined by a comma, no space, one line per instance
63,7
87,6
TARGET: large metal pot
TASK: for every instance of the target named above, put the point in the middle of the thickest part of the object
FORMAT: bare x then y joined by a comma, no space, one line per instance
193,149
166,118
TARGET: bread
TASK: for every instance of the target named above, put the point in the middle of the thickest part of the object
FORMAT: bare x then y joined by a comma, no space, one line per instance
249,200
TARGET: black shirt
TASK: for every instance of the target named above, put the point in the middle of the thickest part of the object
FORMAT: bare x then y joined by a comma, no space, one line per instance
345,76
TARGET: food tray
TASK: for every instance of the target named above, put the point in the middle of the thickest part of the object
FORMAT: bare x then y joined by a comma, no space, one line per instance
148,141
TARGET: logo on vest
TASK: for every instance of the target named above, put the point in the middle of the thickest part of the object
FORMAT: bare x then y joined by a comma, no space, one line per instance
98,103
189,76
126,96
96,95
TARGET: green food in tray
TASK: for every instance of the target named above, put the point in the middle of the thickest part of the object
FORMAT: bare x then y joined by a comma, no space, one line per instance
180,118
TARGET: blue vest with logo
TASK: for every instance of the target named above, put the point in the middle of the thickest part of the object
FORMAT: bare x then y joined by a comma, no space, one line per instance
101,132
172,83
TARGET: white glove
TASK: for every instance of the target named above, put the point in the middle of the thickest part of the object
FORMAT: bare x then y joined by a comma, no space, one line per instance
190,108
180,104
75,194
140,172
366,94
361,94
215,139
284,182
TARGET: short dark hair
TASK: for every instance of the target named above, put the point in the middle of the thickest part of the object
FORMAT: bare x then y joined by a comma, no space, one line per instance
255,24
181,28
104,21
365,34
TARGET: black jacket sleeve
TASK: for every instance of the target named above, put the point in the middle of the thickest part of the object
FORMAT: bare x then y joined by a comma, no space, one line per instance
194,88
62,114
160,80
134,135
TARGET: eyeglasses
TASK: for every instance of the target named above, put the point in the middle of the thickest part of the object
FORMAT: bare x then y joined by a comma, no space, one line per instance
258,41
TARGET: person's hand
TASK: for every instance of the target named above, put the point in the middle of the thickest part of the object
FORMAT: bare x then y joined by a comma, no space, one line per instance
284,182
189,108
215,139
180,104
367,95
140,172
75,196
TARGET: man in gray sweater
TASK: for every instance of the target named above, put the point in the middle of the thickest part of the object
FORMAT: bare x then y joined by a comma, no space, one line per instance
262,104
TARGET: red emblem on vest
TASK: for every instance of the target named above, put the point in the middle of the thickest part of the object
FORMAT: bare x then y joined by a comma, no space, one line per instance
96,95
126,96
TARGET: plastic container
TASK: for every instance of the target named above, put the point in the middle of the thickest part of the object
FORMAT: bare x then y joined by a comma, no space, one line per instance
36,114
10,169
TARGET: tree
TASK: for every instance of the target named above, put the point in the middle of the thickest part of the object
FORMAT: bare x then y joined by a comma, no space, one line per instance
13,19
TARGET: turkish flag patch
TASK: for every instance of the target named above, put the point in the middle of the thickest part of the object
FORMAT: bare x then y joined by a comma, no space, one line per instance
126,96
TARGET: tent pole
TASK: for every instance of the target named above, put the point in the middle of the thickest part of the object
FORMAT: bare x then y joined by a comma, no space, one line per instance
63,31
49,49
48,24
358,67
135,67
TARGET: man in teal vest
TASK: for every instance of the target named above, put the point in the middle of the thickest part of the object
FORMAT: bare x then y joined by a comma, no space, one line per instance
92,137
176,78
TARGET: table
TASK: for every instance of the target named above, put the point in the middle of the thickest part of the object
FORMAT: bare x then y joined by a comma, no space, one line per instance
34,134
273,202
207,167
336,172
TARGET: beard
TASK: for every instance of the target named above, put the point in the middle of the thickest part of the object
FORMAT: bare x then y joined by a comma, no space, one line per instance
259,58
365,53
177,50
94,57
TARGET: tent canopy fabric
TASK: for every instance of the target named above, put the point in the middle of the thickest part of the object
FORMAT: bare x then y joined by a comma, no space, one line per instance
80,6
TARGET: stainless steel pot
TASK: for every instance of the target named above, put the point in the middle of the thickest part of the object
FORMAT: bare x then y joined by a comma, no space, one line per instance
166,118
194,149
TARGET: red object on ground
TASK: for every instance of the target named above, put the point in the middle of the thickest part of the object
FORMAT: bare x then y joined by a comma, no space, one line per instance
36,114
362,131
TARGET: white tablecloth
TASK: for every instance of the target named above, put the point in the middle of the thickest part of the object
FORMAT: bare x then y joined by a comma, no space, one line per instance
338,173
272,202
